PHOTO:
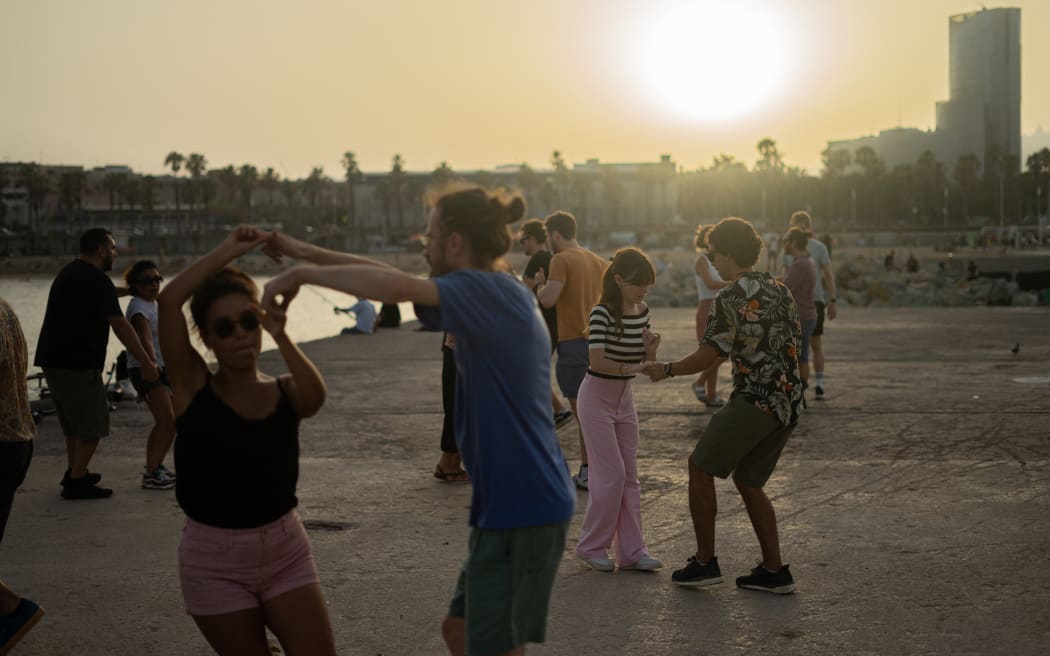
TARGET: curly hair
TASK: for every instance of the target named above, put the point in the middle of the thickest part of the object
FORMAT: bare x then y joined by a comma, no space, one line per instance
230,280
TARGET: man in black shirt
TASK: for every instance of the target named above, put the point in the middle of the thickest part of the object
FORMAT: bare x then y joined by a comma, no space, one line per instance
534,243
81,308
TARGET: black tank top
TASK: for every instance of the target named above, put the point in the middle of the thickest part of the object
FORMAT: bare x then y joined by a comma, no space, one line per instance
236,472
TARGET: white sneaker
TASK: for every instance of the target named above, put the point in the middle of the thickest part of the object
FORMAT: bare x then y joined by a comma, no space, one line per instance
598,564
645,564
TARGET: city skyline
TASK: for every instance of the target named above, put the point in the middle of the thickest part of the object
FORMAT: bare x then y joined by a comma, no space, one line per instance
474,84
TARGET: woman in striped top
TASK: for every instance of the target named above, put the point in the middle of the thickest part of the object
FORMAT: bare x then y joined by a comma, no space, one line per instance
620,345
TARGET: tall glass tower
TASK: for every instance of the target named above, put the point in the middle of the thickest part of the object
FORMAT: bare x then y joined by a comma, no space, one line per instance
983,113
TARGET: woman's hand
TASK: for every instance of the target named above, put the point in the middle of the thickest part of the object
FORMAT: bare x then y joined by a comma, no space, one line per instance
244,238
651,342
284,287
273,318
539,279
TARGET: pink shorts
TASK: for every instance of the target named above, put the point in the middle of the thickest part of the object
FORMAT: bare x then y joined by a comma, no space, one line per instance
224,570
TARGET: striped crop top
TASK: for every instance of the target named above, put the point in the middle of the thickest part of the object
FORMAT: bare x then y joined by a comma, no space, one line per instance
626,347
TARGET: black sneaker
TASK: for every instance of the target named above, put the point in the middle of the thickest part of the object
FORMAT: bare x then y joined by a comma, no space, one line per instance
819,392
760,578
91,478
81,488
694,575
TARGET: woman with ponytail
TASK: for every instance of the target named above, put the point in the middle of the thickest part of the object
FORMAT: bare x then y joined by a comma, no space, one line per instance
621,345
523,497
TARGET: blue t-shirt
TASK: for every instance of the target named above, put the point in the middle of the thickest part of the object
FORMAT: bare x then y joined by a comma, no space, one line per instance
504,427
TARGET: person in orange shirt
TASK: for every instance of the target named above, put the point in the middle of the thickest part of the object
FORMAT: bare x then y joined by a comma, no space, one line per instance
574,287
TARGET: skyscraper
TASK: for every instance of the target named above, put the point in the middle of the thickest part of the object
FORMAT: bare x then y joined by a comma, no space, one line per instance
983,113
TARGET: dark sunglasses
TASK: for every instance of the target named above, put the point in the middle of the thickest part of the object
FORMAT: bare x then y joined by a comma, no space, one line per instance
151,280
224,327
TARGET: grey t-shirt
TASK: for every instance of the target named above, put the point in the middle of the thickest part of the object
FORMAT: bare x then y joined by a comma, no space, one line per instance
147,309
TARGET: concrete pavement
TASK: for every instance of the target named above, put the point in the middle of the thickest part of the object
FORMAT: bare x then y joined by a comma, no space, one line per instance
913,506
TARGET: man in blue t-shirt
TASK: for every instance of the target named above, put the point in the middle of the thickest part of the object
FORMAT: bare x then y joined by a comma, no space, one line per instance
523,497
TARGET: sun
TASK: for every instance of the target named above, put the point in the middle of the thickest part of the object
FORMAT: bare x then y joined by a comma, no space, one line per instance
715,60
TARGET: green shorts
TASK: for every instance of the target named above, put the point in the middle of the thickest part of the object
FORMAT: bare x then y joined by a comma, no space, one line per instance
741,440
80,398
505,585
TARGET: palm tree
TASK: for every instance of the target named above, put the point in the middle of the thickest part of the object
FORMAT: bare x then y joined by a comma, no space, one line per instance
148,191
442,174
528,180
396,188
352,174
561,175
966,175
247,178
269,182
71,190
196,164
175,160
929,179
230,183
313,185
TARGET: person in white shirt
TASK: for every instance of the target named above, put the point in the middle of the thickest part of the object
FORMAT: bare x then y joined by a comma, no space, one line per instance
365,313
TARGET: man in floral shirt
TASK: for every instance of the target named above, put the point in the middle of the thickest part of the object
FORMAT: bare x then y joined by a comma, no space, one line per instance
754,322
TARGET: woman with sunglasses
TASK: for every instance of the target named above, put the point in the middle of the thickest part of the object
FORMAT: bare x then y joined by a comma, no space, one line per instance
245,562
143,281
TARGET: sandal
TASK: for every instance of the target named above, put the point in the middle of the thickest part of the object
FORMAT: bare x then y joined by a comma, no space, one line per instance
716,402
454,476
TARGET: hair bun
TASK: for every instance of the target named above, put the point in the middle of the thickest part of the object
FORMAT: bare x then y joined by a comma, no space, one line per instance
514,210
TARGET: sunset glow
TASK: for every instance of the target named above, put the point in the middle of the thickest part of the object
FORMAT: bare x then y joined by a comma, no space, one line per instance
713,61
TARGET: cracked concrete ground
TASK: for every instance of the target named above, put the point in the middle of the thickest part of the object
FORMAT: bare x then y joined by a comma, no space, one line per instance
913,507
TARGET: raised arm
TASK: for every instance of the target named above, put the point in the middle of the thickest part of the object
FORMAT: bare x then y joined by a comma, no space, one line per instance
384,284
711,281
185,368
278,244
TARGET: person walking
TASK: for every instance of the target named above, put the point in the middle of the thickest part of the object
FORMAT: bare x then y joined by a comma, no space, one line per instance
824,298
708,283
522,497
621,345
81,309
17,614
574,287
801,279
245,562
754,323
143,282
534,243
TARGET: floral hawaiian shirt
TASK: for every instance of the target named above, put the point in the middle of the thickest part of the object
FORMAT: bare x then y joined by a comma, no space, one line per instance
754,322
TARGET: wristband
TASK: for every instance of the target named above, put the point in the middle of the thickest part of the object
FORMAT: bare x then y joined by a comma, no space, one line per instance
667,370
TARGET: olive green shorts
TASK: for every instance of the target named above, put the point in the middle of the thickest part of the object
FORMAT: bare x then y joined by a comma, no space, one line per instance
741,440
80,398
505,585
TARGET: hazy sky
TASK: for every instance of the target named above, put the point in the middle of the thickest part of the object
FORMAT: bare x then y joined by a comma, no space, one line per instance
475,82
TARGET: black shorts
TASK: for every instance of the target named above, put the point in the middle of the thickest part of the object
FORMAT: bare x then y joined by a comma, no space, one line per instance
819,330
143,387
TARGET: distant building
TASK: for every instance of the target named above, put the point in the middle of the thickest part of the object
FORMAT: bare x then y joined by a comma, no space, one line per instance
983,112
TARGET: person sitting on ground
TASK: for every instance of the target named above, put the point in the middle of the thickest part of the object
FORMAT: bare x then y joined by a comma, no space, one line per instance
365,314
245,562
912,265
389,316
143,282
